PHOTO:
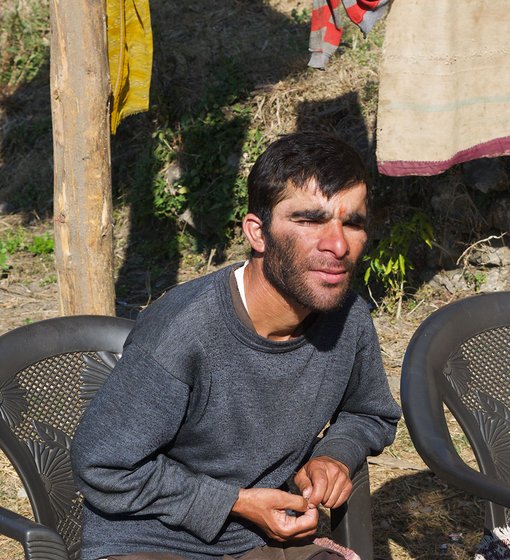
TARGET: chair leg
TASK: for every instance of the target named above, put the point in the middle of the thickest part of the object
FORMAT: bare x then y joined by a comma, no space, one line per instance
351,524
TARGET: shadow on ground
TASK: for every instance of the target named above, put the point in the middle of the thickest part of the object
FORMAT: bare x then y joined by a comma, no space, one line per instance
208,55
421,515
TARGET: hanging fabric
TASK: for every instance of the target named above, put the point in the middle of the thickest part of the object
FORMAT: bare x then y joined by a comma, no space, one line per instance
129,56
326,31
444,85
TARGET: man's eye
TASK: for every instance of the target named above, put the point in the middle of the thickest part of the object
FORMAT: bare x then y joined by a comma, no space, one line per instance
355,225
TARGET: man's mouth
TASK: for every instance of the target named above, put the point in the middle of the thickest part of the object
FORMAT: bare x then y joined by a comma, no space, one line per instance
331,275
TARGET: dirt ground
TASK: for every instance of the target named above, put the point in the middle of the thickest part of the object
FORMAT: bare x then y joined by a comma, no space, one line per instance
416,516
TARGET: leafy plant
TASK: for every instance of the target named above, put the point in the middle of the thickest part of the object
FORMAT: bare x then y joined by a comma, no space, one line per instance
11,241
300,17
51,279
389,262
475,279
41,244
3,258
24,42
14,240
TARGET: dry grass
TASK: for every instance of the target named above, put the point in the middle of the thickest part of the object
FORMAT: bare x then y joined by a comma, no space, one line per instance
414,512
416,515
29,291
13,498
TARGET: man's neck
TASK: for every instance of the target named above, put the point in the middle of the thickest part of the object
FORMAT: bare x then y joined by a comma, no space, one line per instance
273,316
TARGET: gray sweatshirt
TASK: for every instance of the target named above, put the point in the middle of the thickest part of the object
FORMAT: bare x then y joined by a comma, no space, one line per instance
200,406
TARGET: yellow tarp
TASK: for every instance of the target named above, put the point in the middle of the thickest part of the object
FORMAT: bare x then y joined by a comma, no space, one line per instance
129,56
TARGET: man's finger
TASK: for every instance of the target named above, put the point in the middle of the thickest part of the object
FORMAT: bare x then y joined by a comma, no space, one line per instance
303,483
336,484
340,493
299,526
320,483
306,524
295,502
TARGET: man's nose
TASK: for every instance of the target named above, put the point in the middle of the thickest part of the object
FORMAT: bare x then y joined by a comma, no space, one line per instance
333,240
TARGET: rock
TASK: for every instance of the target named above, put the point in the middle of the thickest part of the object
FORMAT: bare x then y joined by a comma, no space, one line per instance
453,280
496,280
6,208
172,174
187,218
486,255
499,214
199,223
479,279
486,175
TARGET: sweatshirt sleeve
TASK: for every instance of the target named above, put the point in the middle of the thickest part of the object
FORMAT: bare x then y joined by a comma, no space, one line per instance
366,420
119,458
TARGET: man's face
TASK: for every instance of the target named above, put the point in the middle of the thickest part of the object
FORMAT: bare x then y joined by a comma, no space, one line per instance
313,245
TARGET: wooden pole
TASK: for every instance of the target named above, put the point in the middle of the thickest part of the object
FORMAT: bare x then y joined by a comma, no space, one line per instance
80,91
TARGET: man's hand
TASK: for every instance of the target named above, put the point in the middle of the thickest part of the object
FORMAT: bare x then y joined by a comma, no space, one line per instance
267,508
323,480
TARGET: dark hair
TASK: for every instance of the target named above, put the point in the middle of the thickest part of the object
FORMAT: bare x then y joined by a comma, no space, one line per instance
293,160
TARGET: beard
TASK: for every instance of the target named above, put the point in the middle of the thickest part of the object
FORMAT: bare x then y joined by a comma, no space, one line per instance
286,270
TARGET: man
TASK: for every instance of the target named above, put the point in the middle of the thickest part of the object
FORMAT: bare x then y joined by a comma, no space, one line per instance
226,381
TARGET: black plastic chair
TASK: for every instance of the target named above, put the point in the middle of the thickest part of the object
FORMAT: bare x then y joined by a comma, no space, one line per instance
49,372
460,357
351,523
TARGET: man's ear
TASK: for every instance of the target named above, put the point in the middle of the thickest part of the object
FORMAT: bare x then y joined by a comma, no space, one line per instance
252,228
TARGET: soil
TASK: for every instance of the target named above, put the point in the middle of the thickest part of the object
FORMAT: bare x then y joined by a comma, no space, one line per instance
415,514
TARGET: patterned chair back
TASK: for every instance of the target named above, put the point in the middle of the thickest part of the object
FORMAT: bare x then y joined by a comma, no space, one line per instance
49,372
460,357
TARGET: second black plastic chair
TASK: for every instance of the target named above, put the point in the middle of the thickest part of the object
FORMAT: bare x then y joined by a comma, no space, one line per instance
460,357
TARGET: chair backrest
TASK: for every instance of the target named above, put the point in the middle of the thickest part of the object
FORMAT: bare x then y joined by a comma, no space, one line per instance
49,371
460,357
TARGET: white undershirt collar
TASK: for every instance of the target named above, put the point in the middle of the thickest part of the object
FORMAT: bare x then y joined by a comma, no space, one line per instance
239,275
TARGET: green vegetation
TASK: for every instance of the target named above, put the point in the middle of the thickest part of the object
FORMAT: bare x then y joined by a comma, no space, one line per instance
24,41
10,242
302,16
17,240
41,244
390,261
209,187
192,176
475,279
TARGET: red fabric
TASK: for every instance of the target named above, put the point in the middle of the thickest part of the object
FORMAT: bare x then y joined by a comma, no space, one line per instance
357,12
322,18
326,29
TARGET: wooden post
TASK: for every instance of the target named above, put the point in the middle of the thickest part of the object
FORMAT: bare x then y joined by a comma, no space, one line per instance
80,91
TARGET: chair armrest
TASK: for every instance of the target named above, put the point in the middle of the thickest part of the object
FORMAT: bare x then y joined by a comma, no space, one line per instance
38,541
444,461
